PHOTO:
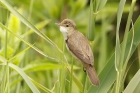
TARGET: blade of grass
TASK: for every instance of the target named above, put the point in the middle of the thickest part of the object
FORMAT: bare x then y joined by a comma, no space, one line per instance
70,89
139,55
25,77
3,78
41,86
84,83
91,25
20,53
2,59
6,68
35,48
133,83
118,49
128,56
126,32
38,26
100,4
76,81
41,66
22,73
62,76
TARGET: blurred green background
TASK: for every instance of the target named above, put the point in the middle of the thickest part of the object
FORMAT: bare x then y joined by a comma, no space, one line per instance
50,71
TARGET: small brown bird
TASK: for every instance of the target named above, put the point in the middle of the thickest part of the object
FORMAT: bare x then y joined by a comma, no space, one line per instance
79,47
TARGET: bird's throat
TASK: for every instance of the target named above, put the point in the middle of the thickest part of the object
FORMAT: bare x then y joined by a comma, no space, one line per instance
64,32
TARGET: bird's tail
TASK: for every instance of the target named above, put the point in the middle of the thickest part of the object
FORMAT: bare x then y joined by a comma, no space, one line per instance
92,75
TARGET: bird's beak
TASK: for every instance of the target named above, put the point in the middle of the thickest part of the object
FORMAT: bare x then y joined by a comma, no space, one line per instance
58,24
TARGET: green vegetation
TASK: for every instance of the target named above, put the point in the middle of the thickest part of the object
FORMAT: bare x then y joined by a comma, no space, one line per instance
33,56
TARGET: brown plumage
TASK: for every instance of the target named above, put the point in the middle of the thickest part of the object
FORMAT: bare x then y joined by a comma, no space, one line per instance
79,47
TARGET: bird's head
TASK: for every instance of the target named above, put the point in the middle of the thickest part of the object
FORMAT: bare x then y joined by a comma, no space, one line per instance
66,25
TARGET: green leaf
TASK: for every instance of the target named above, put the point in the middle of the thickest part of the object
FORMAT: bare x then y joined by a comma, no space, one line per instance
91,25
29,44
75,79
117,49
41,66
42,87
2,59
38,26
25,77
101,4
133,83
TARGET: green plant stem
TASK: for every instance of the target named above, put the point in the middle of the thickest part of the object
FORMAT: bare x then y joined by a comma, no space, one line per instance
84,82
118,49
62,79
91,25
126,32
62,73
118,83
70,90
120,72
7,87
139,54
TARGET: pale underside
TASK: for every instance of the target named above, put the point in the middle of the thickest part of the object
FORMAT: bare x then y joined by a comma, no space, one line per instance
64,32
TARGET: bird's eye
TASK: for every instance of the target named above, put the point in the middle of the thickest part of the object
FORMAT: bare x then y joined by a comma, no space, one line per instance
67,25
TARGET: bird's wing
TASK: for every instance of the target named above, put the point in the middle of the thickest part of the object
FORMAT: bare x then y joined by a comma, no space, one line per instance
81,50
